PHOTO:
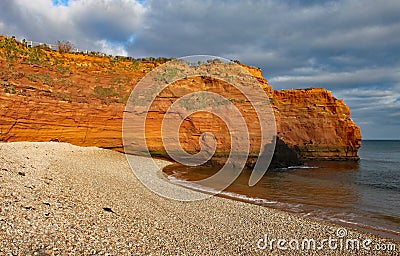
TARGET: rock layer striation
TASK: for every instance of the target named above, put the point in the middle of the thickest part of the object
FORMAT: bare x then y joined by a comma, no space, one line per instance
80,99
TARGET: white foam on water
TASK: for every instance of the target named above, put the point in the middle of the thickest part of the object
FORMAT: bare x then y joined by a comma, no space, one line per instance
304,167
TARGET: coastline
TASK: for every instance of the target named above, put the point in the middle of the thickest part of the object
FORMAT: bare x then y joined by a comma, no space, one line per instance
59,199
288,208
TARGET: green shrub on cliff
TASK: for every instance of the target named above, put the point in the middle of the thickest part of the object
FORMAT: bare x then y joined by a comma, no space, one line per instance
13,50
106,95
9,89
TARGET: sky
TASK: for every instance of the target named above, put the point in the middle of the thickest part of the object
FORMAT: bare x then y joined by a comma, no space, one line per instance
351,47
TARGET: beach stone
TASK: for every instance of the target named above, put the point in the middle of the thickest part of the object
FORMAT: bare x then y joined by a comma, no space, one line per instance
73,214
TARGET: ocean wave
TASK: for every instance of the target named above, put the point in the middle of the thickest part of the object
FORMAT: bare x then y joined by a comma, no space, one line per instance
304,167
233,195
390,187
380,160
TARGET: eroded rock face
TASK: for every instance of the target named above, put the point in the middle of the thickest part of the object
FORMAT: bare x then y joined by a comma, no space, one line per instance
316,125
80,99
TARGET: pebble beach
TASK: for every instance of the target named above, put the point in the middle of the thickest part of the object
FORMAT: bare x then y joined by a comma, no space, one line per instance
61,199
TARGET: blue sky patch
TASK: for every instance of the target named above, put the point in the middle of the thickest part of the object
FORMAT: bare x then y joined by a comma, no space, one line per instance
60,2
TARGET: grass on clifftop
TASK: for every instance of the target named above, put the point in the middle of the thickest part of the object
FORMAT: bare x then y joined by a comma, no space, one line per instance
72,77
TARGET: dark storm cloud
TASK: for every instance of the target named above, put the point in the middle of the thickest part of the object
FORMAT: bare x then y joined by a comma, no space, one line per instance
376,109
283,38
89,24
350,47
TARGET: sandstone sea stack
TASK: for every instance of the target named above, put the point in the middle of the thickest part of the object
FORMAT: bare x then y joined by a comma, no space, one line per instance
80,98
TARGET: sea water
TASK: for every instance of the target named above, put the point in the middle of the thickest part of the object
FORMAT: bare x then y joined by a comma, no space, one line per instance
364,194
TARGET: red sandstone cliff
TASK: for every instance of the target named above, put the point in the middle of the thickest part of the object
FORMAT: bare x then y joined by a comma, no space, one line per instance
80,99
313,123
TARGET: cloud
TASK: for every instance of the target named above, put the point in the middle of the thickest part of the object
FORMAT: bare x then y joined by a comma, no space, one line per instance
110,48
375,109
334,80
348,46
83,22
